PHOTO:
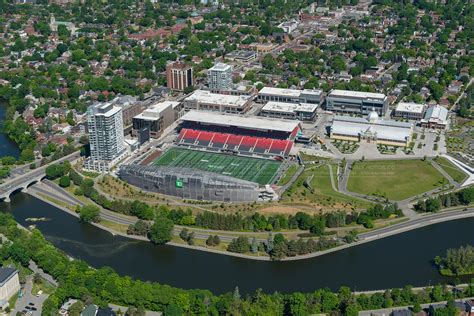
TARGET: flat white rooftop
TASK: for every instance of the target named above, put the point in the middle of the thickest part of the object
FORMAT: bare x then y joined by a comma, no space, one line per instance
207,97
154,112
384,129
220,67
356,94
105,109
284,107
410,107
280,91
253,122
289,92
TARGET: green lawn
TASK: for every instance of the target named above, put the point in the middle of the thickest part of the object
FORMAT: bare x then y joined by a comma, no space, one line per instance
288,175
394,179
257,170
321,192
451,169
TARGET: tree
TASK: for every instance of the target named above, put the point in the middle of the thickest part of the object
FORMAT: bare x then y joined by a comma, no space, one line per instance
8,160
240,245
76,309
89,214
161,231
64,182
140,228
297,304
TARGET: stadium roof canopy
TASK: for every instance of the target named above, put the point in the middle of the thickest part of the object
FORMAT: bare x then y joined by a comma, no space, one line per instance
255,123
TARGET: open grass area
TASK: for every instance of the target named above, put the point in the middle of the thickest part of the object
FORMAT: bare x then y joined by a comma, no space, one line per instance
42,285
257,170
121,228
313,188
451,169
394,179
289,173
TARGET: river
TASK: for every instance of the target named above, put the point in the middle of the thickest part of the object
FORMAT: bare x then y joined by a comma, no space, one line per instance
7,147
390,262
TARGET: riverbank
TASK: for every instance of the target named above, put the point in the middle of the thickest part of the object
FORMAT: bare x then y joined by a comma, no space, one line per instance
423,221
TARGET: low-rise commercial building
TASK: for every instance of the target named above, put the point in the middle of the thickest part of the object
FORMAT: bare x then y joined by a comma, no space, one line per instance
356,102
436,116
152,122
9,285
295,111
290,95
208,101
371,129
411,111
242,55
289,26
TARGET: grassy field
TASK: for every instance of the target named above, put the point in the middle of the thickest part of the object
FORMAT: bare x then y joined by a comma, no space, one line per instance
320,193
394,179
251,169
451,169
288,175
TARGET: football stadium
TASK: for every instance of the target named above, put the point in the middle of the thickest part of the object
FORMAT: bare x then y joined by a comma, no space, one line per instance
261,171
219,157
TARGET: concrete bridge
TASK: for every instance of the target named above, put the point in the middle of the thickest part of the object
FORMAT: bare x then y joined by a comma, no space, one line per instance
23,181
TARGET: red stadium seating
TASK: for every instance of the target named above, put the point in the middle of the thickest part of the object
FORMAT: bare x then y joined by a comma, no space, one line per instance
206,136
264,143
191,134
181,135
220,138
235,142
248,142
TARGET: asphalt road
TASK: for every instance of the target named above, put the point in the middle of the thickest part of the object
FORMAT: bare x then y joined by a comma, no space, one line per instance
33,174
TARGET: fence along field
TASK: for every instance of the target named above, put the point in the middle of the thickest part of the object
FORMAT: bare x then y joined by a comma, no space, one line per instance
262,171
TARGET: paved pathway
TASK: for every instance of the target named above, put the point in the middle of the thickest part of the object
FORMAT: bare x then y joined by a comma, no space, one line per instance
388,311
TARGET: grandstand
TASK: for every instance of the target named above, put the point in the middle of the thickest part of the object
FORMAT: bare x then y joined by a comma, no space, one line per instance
237,143
244,135
240,125
261,171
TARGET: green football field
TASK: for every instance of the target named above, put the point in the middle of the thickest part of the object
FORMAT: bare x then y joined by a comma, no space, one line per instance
251,169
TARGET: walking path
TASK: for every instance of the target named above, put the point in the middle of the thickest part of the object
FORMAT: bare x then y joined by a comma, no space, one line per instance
388,311
413,223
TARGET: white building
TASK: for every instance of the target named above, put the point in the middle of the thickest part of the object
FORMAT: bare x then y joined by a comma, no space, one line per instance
106,138
9,285
219,77
435,117
290,95
356,102
289,26
295,111
371,129
411,111
208,101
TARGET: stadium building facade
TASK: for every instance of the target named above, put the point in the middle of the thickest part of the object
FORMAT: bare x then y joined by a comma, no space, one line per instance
187,183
